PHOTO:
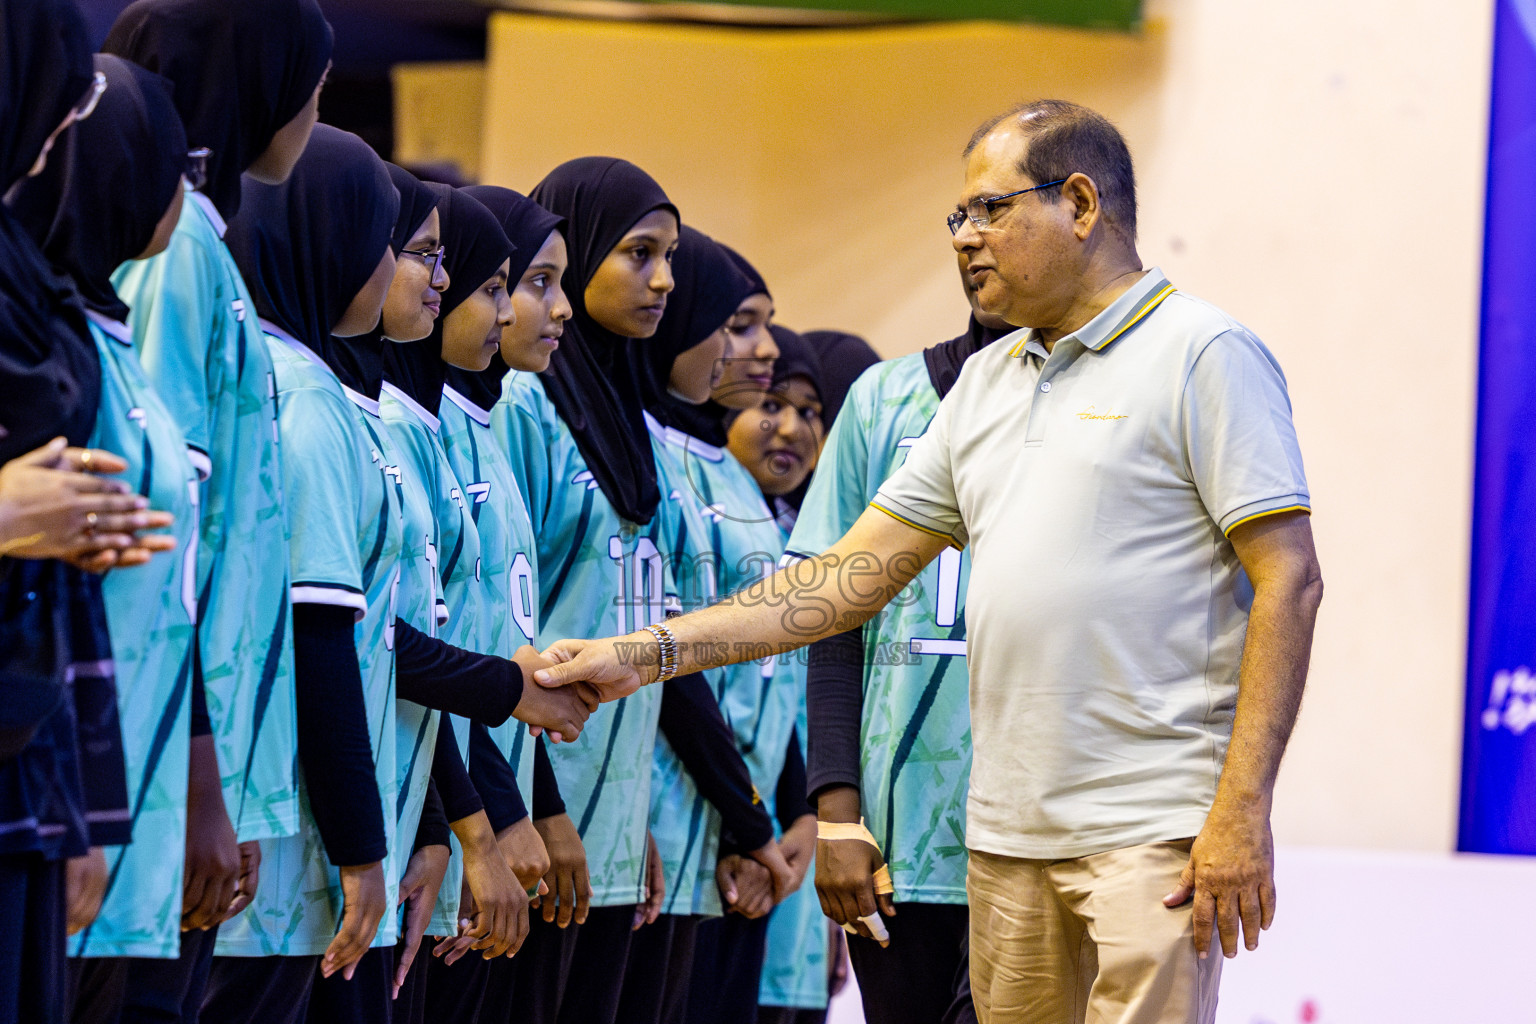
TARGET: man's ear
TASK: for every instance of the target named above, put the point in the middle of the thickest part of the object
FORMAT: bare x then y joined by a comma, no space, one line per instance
1084,195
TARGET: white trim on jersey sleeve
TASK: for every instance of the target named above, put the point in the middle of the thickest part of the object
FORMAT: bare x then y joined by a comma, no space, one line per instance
312,594
200,462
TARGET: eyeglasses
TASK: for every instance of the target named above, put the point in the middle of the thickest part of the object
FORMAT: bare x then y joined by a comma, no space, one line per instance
88,105
979,211
433,258
196,171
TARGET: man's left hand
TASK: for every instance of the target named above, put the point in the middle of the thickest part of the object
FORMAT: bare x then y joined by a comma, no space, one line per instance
1231,878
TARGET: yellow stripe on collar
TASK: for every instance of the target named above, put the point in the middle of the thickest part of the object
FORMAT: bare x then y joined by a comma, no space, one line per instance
1150,305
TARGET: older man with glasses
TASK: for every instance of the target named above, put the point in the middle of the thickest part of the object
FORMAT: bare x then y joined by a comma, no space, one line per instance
1141,605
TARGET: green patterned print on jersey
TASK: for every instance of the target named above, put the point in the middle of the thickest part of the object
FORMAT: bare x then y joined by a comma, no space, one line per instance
726,539
342,482
916,731
150,611
195,327
795,956
599,576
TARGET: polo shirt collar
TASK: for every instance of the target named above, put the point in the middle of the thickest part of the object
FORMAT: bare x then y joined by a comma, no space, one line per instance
1115,319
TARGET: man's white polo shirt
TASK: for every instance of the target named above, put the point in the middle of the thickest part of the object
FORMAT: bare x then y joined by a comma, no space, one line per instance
1095,486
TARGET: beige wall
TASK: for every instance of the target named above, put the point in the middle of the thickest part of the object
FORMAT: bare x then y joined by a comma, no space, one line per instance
439,114
1314,167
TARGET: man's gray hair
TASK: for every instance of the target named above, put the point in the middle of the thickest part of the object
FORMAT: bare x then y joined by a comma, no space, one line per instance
1065,138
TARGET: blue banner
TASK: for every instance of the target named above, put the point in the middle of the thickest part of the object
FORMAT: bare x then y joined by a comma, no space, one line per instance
1498,781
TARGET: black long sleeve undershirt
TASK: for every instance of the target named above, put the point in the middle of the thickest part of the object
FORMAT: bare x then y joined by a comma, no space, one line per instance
201,724
433,829
495,780
450,775
692,723
790,801
547,801
834,695
334,748
437,675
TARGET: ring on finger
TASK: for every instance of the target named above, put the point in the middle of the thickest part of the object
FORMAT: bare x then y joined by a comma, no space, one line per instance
85,460
90,522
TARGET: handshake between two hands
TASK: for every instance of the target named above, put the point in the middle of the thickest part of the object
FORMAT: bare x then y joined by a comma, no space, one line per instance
571,677
564,684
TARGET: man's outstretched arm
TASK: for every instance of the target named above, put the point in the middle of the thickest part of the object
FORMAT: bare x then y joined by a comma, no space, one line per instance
837,590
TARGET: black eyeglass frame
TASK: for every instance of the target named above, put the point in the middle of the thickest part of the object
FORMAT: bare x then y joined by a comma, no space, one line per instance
979,211
433,258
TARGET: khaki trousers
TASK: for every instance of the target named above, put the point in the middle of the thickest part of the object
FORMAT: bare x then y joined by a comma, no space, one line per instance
1087,941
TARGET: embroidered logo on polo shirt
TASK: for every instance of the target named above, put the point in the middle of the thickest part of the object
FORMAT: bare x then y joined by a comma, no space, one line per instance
1092,413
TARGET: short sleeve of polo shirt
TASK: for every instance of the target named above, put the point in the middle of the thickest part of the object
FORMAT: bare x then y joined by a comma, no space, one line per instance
921,493
1238,434
323,499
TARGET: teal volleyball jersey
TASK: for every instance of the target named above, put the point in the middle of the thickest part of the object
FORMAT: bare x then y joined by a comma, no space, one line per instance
916,729
201,346
599,576
343,483
725,539
494,615
504,607
434,523
795,956
150,611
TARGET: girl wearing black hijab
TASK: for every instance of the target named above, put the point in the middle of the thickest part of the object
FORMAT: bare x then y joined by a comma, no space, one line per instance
906,708
500,605
245,78
780,440
700,779
747,367
316,254
476,257
111,192
579,448
509,555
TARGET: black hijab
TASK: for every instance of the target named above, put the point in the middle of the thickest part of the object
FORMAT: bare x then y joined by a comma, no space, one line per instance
475,248
601,198
842,357
307,247
527,226
759,286
359,361
50,380
709,421
947,357
107,183
798,359
240,70
708,289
